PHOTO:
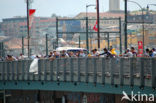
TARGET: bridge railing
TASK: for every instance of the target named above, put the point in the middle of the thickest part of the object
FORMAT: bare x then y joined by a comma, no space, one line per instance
115,71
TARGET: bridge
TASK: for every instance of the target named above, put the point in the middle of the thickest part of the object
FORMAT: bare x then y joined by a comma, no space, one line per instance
95,75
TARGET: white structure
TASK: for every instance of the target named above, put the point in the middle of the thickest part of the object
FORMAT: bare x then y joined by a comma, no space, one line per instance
114,5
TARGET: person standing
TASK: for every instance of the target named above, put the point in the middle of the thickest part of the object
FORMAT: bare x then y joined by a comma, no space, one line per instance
106,53
147,53
153,52
133,52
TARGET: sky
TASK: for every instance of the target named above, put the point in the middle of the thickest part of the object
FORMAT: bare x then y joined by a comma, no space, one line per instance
45,8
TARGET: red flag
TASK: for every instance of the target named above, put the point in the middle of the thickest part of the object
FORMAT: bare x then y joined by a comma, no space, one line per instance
95,27
31,16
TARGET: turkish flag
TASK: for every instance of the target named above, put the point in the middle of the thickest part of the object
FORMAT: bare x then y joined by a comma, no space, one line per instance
31,17
95,26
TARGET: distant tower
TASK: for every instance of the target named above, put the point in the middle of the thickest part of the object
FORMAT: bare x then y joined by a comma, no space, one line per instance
114,5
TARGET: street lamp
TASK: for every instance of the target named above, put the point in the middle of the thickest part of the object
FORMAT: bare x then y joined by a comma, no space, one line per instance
125,26
28,4
148,6
142,18
98,23
46,40
87,24
28,27
87,8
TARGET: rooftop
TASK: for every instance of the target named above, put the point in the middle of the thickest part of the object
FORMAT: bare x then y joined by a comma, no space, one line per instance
102,15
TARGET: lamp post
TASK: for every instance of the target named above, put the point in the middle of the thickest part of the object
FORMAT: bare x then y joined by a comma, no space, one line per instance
142,19
149,5
87,8
46,39
28,28
125,26
98,23
87,44
79,41
22,45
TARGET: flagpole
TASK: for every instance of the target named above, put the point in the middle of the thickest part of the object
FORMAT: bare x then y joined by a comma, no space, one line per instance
98,25
28,27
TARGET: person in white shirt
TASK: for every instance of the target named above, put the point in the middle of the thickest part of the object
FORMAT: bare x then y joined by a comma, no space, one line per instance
128,53
95,53
153,52
64,54
21,57
82,54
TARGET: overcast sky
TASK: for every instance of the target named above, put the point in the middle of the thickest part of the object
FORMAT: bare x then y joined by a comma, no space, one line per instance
11,8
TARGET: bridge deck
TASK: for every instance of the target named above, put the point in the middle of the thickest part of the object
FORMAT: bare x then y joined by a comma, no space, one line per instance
121,71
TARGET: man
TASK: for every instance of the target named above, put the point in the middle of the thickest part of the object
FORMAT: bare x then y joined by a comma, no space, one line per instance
82,54
21,57
147,53
10,58
72,55
113,52
106,53
95,53
133,52
128,53
64,54
50,55
153,52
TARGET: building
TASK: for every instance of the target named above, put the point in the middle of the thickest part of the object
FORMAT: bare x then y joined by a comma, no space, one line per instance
104,22
18,26
109,22
148,18
1,33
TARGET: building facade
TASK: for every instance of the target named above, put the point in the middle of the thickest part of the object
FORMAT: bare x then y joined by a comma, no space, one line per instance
18,26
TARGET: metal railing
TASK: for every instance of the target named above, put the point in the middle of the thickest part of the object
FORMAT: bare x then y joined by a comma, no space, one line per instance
121,71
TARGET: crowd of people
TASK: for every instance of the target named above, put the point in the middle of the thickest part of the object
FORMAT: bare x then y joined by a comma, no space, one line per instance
108,53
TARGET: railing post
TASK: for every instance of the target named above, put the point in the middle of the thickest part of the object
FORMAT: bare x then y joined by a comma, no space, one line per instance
71,69
8,70
58,70
121,72
23,69
103,70
13,71
3,71
112,70
51,70
142,79
1,67
4,97
17,70
86,70
153,73
131,71
79,70
39,70
95,70
28,67
45,69
64,70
